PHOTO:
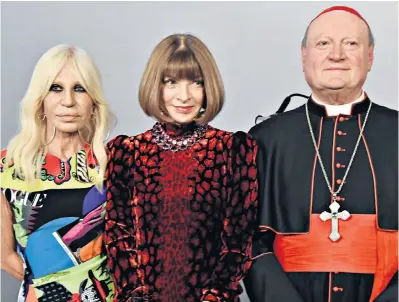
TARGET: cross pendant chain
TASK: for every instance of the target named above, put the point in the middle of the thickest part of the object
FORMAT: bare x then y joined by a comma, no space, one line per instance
334,215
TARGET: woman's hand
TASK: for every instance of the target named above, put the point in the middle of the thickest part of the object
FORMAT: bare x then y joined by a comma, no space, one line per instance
11,262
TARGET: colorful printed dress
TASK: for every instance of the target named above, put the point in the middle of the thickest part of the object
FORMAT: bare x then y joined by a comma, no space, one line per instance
58,227
179,225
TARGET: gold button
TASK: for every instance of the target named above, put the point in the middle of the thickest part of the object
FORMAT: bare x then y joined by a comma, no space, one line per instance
341,119
338,149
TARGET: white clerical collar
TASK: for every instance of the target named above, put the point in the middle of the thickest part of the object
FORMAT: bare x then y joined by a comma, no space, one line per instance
334,110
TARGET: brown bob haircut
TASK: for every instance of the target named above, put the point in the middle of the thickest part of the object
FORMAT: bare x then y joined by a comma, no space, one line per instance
181,56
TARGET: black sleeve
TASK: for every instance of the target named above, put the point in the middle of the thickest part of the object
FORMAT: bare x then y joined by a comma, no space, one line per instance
390,294
266,280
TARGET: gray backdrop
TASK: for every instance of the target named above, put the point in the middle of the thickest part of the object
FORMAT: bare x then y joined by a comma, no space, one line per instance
256,46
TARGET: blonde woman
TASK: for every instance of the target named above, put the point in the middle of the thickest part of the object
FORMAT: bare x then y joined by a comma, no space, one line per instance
52,174
181,196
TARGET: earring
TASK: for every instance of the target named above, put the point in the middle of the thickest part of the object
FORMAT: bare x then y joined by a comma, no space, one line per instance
41,117
51,138
201,112
108,133
93,117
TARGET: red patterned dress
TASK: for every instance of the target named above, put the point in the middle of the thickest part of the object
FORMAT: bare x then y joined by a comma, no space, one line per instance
179,225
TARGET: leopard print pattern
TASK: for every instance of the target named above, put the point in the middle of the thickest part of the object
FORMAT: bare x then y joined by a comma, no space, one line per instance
179,226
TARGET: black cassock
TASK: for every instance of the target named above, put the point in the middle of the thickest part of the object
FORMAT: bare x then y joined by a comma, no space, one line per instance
293,193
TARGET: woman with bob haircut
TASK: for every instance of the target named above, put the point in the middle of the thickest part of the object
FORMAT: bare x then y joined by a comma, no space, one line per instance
182,196
52,182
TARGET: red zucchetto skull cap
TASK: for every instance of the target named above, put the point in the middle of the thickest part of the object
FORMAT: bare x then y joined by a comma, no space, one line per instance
341,8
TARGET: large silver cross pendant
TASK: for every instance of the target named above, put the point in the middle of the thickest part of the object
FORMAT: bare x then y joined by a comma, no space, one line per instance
334,216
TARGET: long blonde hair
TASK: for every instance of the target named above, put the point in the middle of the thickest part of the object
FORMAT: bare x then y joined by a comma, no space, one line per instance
25,150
